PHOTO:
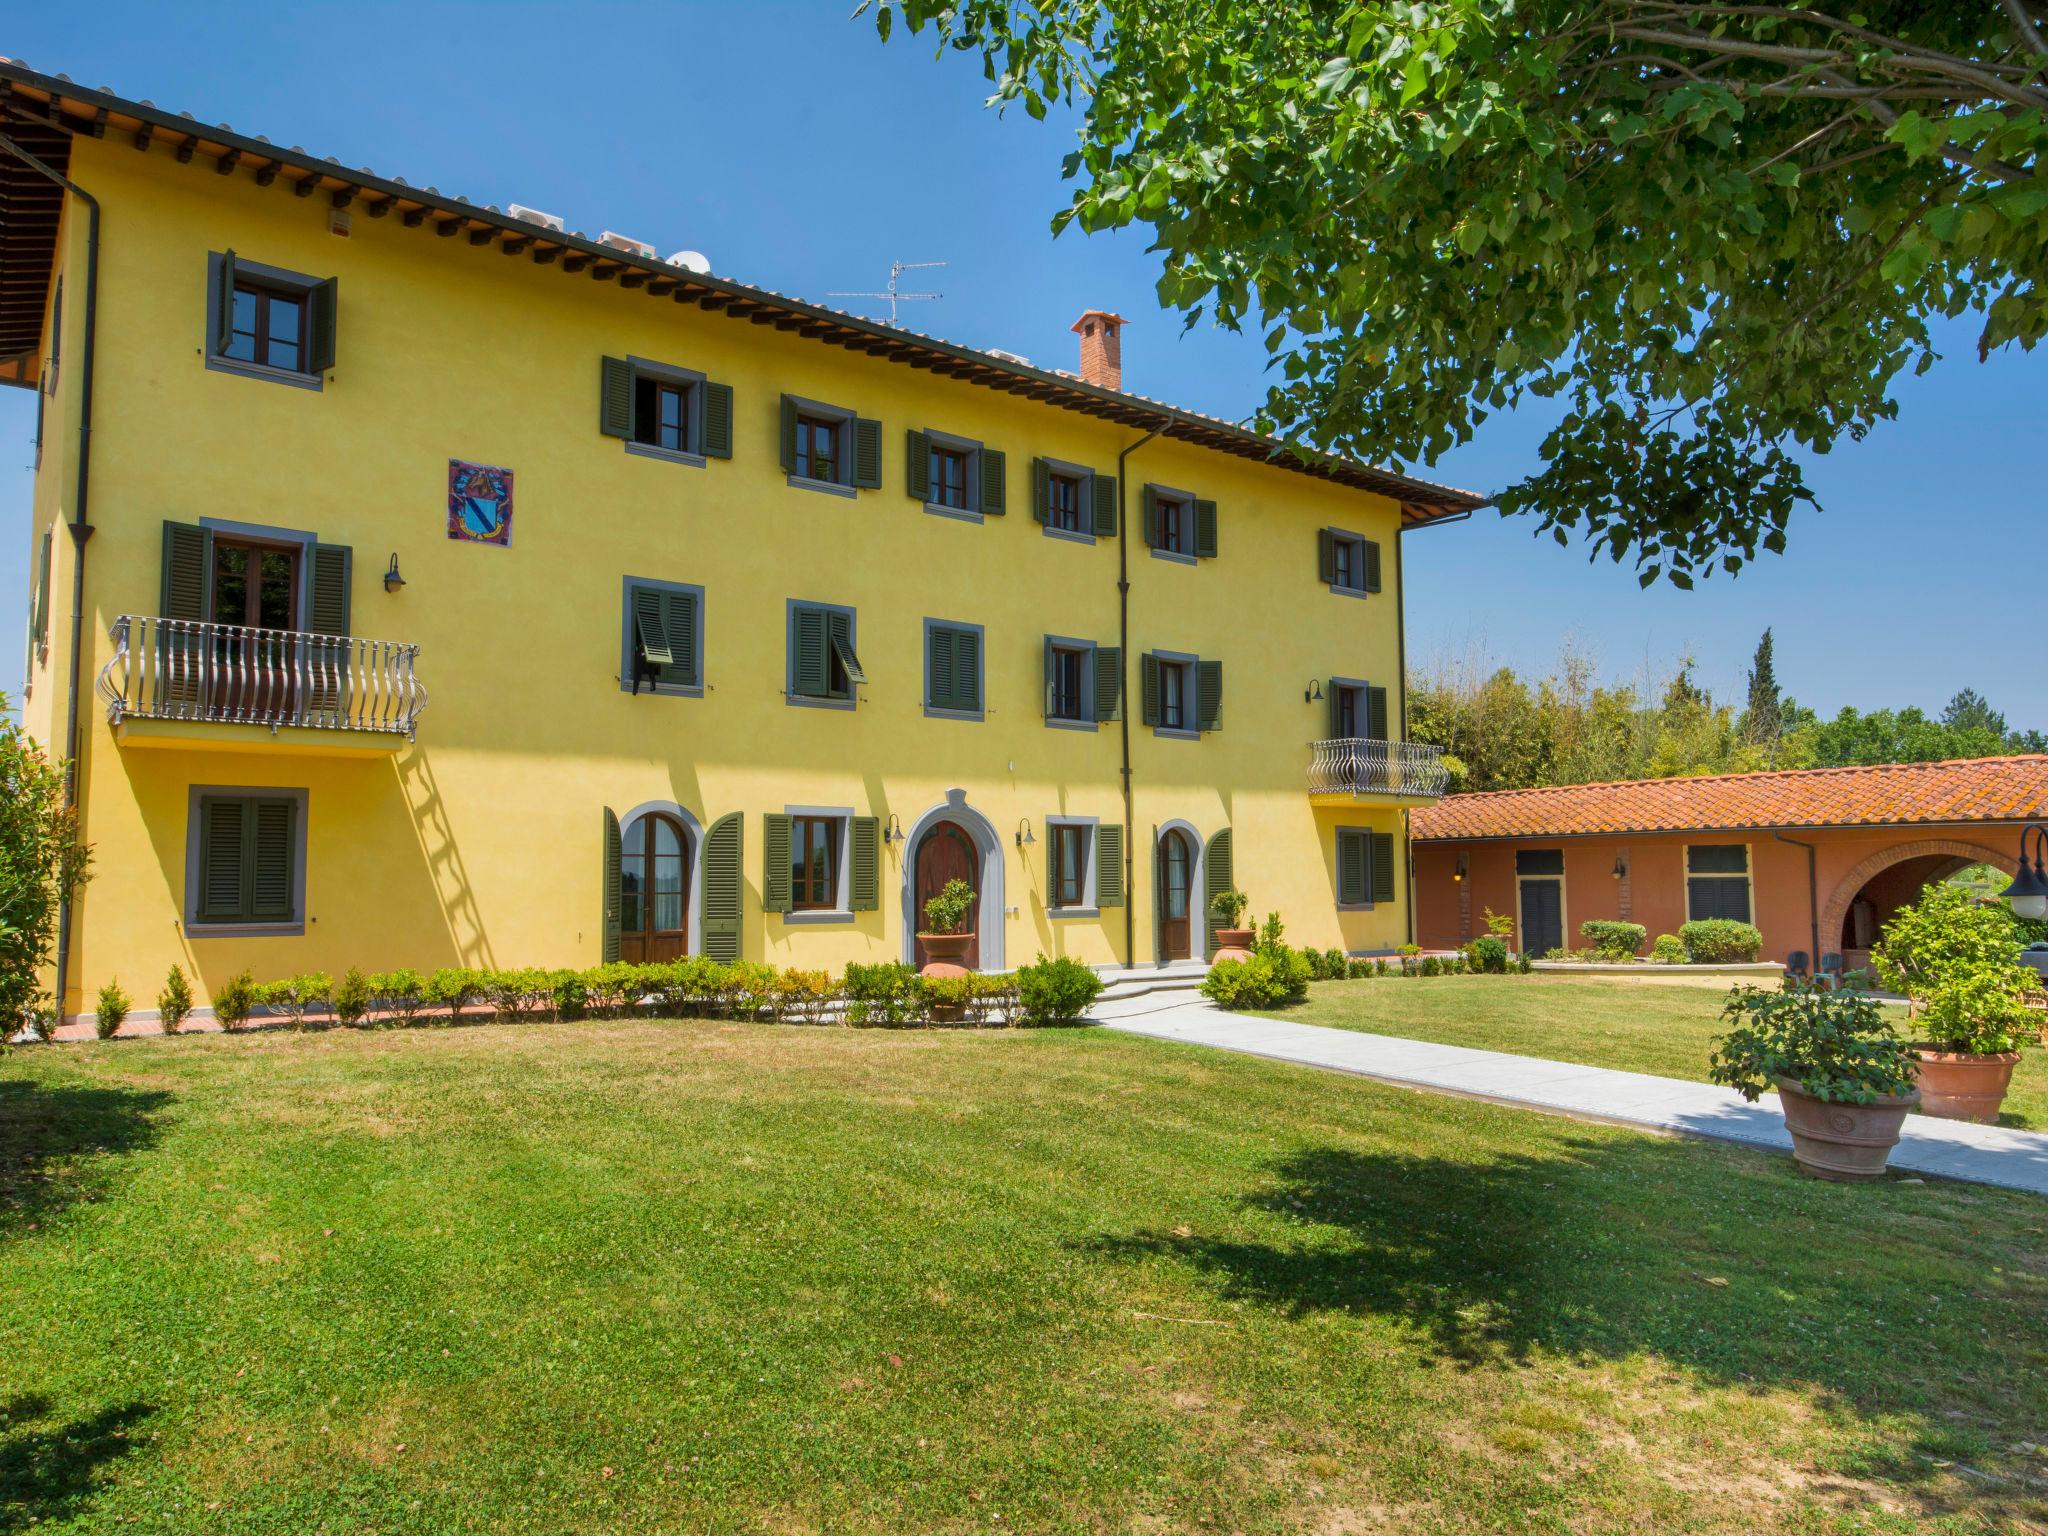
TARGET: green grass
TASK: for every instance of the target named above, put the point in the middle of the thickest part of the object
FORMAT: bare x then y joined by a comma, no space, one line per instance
692,1277
1667,1027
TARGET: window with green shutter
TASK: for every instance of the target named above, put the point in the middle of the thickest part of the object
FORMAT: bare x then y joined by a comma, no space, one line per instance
1078,693
723,846
1354,867
1178,525
829,448
1072,502
246,853
662,637
1182,694
268,322
824,668
952,669
609,930
1219,874
1384,886
39,613
1347,563
664,411
956,476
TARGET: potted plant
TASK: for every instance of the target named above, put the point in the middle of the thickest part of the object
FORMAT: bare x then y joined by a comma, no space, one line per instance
1232,942
1972,996
945,935
1844,1078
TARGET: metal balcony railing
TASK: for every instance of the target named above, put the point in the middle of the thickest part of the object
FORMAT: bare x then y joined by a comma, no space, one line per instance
180,669
1361,765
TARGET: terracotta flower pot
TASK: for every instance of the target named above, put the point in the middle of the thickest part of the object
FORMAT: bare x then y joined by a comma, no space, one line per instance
944,952
1957,1086
1848,1143
1234,943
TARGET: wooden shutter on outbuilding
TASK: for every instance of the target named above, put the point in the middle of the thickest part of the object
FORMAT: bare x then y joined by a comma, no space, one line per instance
1148,667
615,397
224,302
917,468
775,865
1372,565
715,434
1205,529
864,863
1102,505
1109,683
867,454
1109,865
1354,864
787,439
322,308
721,907
995,483
1218,876
614,888
1209,695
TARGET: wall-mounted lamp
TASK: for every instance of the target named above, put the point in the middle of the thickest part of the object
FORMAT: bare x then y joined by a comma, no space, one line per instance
1313,693
1024,837
1621,866
1459,872
392,580
893,833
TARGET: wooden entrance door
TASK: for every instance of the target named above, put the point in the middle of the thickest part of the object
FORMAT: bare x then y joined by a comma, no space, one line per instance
1542,916
1176,879
654,891
945,853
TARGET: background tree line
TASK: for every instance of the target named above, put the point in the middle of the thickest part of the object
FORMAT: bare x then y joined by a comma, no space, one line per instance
1501,731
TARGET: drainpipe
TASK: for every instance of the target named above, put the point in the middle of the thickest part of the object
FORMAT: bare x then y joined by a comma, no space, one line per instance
1812,893
1401,690
80,529
1123,692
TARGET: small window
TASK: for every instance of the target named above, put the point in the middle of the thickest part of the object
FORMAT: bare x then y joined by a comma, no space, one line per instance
1348,562
247,857
1179,525
661,413
1066,685
1064,508
267,321
1539,861
1175,527
1350,571
818,452
1070,847
663,638
952,668
823,666
814,863
949,477
1182,694
1717,881
1175,706
1348,701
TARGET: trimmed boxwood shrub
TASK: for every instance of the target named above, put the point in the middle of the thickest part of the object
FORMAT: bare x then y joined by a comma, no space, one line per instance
1056,991
1719,940
1614,941
1490,955
1668,949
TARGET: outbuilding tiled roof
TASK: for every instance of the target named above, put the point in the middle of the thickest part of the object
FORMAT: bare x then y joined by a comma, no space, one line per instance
1980,789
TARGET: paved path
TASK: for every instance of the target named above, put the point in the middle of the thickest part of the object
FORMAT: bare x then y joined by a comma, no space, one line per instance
1982,1154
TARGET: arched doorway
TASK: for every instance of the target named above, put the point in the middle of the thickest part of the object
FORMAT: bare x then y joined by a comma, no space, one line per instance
946,851
1870,895
984,872
654,889
1176,884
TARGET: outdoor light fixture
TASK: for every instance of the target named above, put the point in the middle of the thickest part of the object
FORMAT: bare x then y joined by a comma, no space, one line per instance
1459,872
1621,866
2028,892
1024,837
894,831
392,580
1313,693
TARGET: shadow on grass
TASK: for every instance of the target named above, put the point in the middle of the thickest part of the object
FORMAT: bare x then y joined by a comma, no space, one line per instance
49,1471
50,1137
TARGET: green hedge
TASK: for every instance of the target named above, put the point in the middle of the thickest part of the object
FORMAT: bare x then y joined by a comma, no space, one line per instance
1718,940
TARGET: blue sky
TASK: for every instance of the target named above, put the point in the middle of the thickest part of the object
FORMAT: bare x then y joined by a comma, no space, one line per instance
800,154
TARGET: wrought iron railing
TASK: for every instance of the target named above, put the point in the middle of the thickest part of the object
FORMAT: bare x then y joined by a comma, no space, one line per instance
1361,765
180,669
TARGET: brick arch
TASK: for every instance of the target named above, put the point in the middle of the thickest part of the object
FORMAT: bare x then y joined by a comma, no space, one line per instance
1837,908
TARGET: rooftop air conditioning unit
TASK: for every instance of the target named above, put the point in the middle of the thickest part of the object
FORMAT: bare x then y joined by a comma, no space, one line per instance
627,243
691,261
535,216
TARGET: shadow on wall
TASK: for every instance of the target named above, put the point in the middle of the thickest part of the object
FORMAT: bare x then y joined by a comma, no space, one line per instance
49,1470
443,858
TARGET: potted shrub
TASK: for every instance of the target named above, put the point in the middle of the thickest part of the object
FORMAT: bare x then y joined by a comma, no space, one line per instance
945,935
1971,993
1232,942
1844,1078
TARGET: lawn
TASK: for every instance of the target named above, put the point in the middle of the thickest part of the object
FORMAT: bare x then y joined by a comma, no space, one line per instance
1667,1027
701,1277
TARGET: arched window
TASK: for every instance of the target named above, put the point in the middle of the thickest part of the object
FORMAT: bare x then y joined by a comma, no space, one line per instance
654,890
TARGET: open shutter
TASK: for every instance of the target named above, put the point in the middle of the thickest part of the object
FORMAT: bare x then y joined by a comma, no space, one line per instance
321,306
1051,677
1376,713
1148,665
1205,530
1372,565
188,558
1041,491
1109,866
867,454
938,666
650,627
222,828
840,627
1151,518
775,866
1209,695
787,438
41,612
809,671
995,482
328,611
715,434
1353,856
1109,682
1326,556
1383,887
224,302
679,620
721,912
614,887
1218,876
864,863
1102,505
615,397
918,470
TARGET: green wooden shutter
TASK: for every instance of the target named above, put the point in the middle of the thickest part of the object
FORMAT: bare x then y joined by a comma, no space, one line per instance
614,887
1109,866
1326,556
966,669
1218,876
649,627
1383,887
1102,505
1051,664
1151,524
1353,859
327,613
995,482
1205,529
42,598
1209,695
775,865
224,303
715,431
1148,666
615,397
917,451
1372,565
1109,682
322,306
809,671
788,437
1041,491
223,825
864,860
1376,713
938,666
867,454
721,909
188,562
840,627
679,621
270,861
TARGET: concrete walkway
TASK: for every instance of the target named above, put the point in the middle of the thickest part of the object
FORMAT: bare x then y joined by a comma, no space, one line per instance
1981,1154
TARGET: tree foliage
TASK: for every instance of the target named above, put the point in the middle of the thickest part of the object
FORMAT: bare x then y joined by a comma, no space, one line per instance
41,862
1714,233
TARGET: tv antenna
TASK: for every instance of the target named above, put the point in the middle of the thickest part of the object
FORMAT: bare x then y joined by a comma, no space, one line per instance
894,292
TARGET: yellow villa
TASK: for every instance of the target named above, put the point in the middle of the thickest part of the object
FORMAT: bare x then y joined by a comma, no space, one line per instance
420,584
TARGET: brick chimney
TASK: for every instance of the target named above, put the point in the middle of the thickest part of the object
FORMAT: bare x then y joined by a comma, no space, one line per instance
1102,352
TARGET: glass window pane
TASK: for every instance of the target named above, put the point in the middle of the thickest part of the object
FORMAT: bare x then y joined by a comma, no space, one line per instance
282,321
665,839
242,344
630,895
274,596
230,584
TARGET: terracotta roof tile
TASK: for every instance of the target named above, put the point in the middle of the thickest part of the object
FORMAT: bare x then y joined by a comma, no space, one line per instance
1992,789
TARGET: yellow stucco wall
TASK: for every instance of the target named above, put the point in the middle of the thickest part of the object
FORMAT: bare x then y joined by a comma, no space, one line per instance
481,843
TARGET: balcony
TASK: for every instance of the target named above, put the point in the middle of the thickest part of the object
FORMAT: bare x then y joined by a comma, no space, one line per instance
1355,768
181,683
